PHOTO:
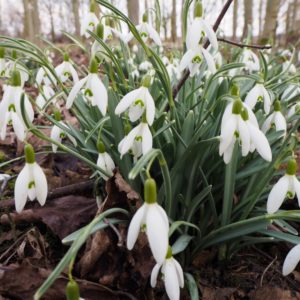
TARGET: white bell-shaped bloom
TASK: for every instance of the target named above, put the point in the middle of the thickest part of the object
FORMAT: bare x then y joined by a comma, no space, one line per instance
93,89
66,70
106,163
276,118
250,59
290,92
89,22
31,182
44,96
259,93
138,102
58,134
153,219
172,275
194,57
44,76
291,261
138,140
287,186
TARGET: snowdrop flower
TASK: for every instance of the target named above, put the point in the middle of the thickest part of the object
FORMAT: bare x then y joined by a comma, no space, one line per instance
295,109
172,275
218,60
94,90
291,261
10,108
44,76
90,21
104,161
200,29
193,59
135,48
138,140
57,133
259,93
276,118
290,92
289,67
66,70
152,218
287,186
47,94
31,182
146,31
138,102
251,61
2,62
145,66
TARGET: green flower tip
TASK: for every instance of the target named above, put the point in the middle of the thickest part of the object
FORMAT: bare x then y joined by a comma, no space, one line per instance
66,57
93,66
198,9
146,81
72,290
244,114
277,105
14,54
169,252
127,128
145,17
29,154
291,168
237,107
235,90
15,78
100,31
92,6
100,147
2,52
150,191
57,115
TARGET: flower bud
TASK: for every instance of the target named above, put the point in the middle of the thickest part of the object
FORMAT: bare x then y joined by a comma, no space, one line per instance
72,290
29,154
150,191
291,168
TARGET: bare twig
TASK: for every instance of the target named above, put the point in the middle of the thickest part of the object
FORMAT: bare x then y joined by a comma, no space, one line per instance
244,45
186,73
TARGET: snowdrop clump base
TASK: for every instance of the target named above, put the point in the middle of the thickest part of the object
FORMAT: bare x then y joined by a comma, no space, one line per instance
189,131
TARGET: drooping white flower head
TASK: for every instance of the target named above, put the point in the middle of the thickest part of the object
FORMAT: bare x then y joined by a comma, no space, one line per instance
193,59
200,29
291,261
66,70
153,219
44,96
287,186
146,31
31,182
259,93
44,76
94,91
10,108
276,118
250,59
172,275
89,21
104,161
138,102
138,140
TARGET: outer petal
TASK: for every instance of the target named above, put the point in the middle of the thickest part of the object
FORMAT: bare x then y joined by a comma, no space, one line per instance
99,94
227,134
227,114
171,280
244,136
211,35
277,194
110,165
157,233
179,273
194,34
252,96
41,185
21,188
297,189
267,100
291,260
154,35
267,124
154,275
73,73
150,108
18,126
228,152
75,90
146,139
126,101
40,75
55,135
127,141
279,121
186,60
135,227
209,60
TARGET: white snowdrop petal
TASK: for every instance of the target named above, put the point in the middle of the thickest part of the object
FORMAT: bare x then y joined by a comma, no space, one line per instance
135,227
55,135
146,139
186,60
267,100
267,124
150,108
154,35
18,126
126,101
21,188
194,34
179,272
227,134
171,280
228,152
291,260
110,165
74,92
209,60
41,186
297,188
252,96
210,33
100,96
277,194
126,143
244,136
154,275
280,122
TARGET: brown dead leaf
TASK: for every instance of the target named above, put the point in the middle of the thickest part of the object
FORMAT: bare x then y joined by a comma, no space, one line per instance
272,293
221,293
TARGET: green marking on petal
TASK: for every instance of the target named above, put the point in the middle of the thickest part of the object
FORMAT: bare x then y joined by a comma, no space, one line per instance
138,138
290,195
197,59
12,108
31,184
88,93
139,102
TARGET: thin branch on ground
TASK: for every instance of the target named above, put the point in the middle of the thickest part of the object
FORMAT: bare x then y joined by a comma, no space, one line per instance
244,45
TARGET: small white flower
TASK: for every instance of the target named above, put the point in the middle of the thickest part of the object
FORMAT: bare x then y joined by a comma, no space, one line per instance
256,94
106,163
138,101
89,22
31,182
94,90
291,260
44,76
58,134
66,70
276,118
138,140
47,94
153,219
287,186
251,61
172,276
193,58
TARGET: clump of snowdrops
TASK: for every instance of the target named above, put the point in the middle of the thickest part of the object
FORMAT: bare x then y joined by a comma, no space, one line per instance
209,145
